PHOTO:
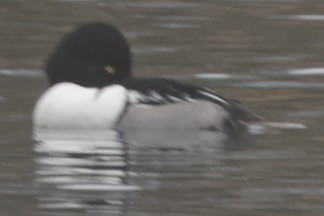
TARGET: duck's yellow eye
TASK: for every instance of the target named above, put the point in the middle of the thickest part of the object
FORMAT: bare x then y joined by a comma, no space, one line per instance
109,69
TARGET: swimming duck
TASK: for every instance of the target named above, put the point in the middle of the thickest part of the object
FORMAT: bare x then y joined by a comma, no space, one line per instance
92,87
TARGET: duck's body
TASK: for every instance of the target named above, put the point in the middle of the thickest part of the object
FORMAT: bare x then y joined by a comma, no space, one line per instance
92,88
115,107
138,104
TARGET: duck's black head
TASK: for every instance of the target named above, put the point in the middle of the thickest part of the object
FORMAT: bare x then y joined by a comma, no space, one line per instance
94,55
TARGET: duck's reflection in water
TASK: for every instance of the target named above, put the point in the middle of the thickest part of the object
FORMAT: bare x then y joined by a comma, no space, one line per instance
84,170
98,171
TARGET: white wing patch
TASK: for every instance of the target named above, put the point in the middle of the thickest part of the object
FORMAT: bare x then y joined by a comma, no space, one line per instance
189,99
154,97
174,99
135,96
213,97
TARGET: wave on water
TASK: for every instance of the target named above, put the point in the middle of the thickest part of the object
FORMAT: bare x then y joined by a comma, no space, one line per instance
308,17
213,76
20,72
281,84
306,71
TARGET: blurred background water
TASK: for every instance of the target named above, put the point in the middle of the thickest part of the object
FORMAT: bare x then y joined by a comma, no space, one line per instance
268,54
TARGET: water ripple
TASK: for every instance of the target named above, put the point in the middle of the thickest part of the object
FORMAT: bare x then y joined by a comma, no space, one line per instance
159,5
306,71
304,17
213,76
20,72
281,84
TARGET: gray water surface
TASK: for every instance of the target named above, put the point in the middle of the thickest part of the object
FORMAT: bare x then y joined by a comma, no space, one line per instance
268,54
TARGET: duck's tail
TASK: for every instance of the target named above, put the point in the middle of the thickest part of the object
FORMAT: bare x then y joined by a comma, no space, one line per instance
241,113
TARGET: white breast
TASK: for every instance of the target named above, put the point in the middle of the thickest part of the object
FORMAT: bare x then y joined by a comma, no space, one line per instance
67,105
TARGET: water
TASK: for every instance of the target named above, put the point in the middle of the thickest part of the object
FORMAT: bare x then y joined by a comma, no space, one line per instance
268,54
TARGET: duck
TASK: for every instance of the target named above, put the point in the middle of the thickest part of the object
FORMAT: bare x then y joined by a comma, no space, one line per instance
92,87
